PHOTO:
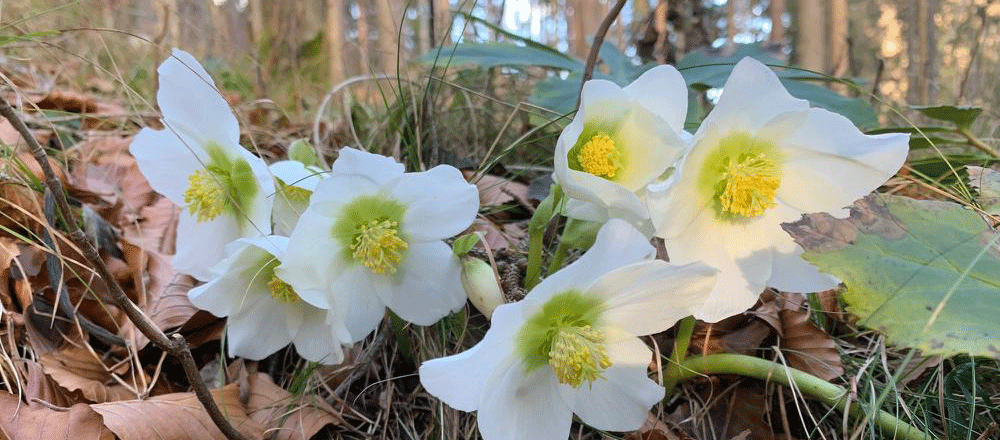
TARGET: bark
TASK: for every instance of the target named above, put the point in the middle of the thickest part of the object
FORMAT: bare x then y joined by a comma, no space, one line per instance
576,22
364,54
920,34
776,10
335,40
810,45
839,55
442,23
256,8
388,34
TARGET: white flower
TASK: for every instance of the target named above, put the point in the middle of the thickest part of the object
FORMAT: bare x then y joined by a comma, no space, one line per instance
621,140
371,238
570,346
197,162
296,183
762,158
265,313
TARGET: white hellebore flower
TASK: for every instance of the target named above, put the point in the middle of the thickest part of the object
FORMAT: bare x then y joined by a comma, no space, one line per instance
371,238
570,346
265,314
762,158
296,183
621,140
198,163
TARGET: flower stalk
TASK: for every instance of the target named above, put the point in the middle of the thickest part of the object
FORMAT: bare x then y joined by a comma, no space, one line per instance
807,384
672,372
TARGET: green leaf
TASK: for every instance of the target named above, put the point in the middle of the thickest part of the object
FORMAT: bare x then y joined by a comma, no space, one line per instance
580,234
301,150
961,115
925,273
495,54
464,244
857,110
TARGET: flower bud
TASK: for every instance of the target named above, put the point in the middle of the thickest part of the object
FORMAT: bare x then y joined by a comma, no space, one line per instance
481,285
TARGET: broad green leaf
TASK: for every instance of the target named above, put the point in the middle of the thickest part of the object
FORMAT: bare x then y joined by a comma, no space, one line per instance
495,54
462,245
301,150
925,273
961,115
857,110
580,234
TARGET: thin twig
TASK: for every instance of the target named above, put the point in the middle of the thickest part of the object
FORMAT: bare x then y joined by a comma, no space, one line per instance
176,345
595,48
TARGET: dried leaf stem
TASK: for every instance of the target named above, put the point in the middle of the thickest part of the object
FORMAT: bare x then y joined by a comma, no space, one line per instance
175,345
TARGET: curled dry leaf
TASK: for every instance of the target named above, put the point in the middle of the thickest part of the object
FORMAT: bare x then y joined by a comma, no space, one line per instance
38,421
176,416
76,369
286,416
495,190
38,386
163,291
806,346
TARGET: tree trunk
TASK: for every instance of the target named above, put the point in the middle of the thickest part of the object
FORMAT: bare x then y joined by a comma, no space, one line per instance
388,34
809,43
839,55
576,22
257,20
364,51
921,49
442,23
335,40
776,10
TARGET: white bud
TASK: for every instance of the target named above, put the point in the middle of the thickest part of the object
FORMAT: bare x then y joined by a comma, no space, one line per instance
481,285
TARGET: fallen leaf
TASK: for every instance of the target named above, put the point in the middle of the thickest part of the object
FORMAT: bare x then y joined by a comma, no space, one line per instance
76,369
163,291
39,386
807,347
176,416
37,421
653,429
287,416
496,190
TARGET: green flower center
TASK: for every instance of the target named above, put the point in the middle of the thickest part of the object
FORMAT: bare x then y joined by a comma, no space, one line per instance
369,230
377,245
741,177
565,335
296,194
599,156
281,290
224,185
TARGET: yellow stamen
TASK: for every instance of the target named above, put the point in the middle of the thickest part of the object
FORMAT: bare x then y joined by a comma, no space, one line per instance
281,291
578,355
599,156
750,185
205,196
378,246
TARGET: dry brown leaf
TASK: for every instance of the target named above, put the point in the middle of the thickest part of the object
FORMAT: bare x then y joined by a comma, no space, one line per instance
806,346
176,416
495,190
653,429
507,235
39,386
37,421
286,416
10,136
76,369
76,102
163,291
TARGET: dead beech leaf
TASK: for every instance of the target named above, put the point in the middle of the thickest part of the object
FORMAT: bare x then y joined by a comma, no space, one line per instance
653,429
507,235
496,190
39,386
176,416
285,416
76,369
806,346
162,291
78,422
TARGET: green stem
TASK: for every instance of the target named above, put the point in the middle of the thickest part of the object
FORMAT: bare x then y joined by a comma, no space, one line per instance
672,373
536,233
805,383
560,254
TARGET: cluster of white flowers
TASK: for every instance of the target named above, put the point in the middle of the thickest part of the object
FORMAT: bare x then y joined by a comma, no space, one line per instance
349,242
717,198
294,254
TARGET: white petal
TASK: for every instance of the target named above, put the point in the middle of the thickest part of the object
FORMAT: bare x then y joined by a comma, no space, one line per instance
602,102
652,147
339,189
427,287
257,216
459,380
379,168
650,297
166,160
829,163
295,173
228,292
662,91
314,341
790,273
200,244
355,302
191,104
674,205
752,96
523,406
620,400
286,213
617,244
439,203
312,259
262,329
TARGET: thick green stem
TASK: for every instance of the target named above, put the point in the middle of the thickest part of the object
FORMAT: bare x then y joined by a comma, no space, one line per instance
805,383
672,372
560,255
536,233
